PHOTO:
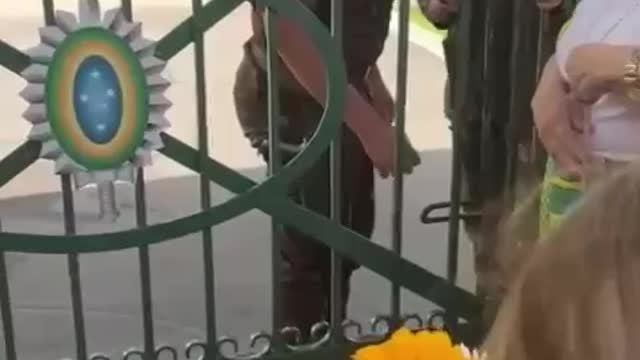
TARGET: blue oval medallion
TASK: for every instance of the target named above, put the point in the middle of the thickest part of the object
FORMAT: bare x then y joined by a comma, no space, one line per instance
97,99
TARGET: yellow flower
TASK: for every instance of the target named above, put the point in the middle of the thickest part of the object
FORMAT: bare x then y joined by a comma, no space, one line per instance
401,345
371,352
437,345
424,345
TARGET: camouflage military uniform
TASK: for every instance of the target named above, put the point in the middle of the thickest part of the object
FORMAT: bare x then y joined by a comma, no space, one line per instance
477,230
306,269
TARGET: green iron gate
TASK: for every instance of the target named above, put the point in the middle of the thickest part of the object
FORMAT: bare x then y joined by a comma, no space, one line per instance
268,196
496,34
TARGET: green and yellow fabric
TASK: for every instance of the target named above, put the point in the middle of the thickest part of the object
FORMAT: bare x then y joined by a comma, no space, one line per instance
560,194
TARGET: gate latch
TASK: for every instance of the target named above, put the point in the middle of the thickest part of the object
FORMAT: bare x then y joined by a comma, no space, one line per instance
427,218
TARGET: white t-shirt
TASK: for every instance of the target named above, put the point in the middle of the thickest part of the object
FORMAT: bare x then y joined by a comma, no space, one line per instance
615,118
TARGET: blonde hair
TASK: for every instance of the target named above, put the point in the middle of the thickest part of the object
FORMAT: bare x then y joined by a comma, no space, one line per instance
578,294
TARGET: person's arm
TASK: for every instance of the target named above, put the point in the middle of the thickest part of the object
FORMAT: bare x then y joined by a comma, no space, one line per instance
302,58
594,70
560,120
376,134
381,96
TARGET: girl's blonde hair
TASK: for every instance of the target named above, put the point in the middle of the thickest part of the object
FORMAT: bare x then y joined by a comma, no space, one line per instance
578,294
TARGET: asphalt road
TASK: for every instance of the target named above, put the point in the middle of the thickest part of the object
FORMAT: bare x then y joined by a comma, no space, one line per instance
111,289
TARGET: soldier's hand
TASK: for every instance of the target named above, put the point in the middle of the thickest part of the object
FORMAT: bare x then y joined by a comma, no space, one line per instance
409,156
381,98
380,147
384,104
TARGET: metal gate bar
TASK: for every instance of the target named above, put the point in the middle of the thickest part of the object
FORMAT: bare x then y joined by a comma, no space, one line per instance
398,181
370,255
146,294
275,163
496,96
74,270
5,309
73,262
337,296
145,269
11,166
205,187
526,20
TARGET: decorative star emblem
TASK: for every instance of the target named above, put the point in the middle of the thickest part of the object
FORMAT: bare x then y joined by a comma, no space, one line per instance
113,124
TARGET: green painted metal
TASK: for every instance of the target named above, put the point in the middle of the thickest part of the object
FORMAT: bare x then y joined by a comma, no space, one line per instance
13,59
205,185
182,35
273,185
335,186
275,164
398,176
73,264
18,161
268,196
370,255
6,310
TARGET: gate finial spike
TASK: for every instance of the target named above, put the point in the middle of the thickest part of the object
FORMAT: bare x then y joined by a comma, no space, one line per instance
89,12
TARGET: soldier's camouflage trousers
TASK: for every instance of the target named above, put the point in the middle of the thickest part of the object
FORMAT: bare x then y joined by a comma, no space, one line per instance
483,188
305,263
